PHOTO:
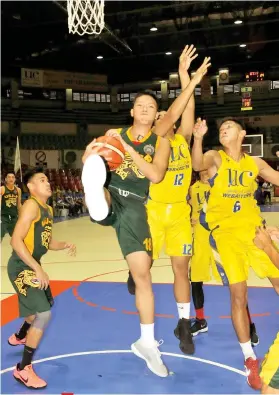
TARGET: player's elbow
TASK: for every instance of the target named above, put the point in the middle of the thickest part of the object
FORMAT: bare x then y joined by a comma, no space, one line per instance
156,179
157,176
196,166
13,243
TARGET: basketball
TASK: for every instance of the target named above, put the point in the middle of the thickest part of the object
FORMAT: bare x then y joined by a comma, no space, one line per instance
113,153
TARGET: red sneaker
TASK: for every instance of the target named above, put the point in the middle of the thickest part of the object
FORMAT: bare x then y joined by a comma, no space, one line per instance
14,341
252,371
28,377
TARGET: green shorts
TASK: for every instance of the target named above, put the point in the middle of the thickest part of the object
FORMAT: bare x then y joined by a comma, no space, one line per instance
31,299
7,226
129,218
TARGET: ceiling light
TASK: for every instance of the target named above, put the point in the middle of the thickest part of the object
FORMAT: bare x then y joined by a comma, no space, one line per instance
168,53
242,45
238,22
100,57
153,28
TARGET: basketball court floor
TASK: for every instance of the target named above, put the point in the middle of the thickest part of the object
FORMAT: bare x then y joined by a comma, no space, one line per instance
86,348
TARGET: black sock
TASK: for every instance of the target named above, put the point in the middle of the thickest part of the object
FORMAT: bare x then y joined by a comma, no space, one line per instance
21,334
27,356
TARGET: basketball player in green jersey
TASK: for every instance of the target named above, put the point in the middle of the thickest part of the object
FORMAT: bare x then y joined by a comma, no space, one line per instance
122,204
31,239
10,204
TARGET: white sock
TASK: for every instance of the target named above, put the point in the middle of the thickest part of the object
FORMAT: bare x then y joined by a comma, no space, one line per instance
147,334
247,350
183,310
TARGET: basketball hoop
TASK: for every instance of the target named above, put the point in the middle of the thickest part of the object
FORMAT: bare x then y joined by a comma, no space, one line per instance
85,16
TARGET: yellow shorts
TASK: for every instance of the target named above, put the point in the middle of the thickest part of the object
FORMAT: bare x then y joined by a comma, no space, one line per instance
170,225
202,262
270,366
235,251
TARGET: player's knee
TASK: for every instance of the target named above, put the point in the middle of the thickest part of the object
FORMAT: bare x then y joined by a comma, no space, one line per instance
30,319
239,295
239,300
41,320
142,279
180,266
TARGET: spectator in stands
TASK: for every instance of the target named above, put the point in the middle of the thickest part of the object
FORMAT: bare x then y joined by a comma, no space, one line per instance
259,193
79,201
59,202
267,188
73,208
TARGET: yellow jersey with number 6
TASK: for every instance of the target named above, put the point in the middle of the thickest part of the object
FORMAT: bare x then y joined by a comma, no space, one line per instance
174,187
231,202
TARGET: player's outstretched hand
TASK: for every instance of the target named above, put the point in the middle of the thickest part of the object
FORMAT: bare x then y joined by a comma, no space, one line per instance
92,149
72,249
202,70
262,239
186,58
200,129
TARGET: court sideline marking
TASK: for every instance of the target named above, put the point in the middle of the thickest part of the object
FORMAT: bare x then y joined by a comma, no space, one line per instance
169,354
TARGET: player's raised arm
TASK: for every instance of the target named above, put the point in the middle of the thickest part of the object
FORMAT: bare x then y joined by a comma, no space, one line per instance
28,213
178,106
201,161
266,172
188,115
156,170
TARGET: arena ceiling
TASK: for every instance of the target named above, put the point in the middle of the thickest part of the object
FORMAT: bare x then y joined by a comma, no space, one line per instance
35,34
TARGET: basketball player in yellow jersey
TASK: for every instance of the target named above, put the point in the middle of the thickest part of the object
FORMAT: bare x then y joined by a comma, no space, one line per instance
202,261
232,216
270,366
203,264
167,209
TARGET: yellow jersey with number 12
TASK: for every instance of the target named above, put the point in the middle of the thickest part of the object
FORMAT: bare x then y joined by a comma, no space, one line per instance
231,201
174,187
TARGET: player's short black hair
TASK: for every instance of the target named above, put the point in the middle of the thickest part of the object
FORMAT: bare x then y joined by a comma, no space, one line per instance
235,120
10,172
147,92
31,173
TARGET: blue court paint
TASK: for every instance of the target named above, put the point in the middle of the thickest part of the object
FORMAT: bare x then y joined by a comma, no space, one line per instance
77,327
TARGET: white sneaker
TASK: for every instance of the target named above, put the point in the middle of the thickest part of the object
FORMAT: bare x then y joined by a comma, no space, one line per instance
152,357
94,175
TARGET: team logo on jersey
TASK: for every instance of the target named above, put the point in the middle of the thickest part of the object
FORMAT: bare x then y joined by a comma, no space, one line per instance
149,149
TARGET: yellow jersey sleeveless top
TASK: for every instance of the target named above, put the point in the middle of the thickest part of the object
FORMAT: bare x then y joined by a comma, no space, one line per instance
174,187
199,195
231,200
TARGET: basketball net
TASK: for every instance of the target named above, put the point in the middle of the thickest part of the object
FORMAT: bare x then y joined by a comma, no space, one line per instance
85,16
